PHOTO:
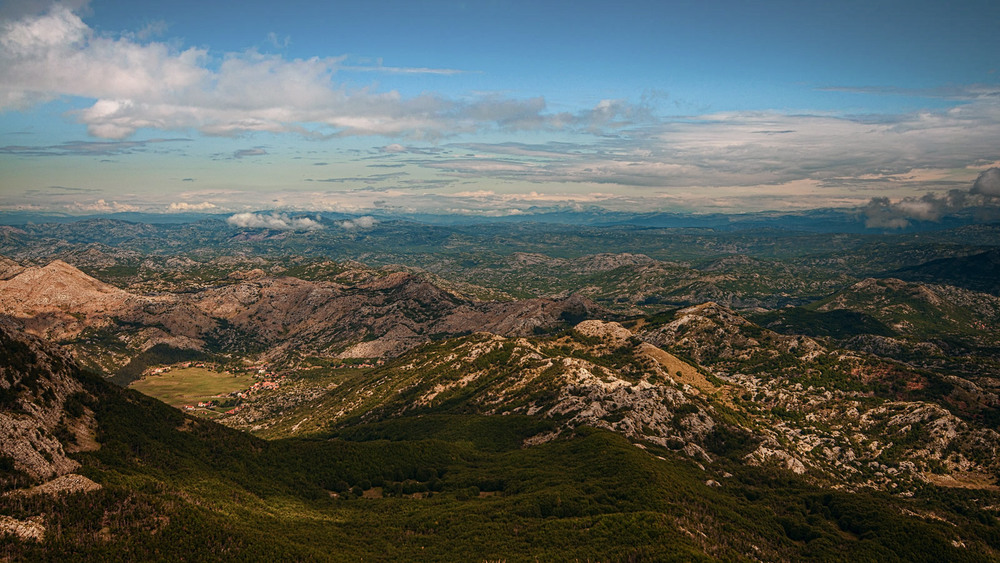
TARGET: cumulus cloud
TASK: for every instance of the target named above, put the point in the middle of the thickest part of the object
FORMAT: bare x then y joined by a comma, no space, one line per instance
983,198
360,223
988,183
128,82
141,84
274,221
58,54
181,206
102,206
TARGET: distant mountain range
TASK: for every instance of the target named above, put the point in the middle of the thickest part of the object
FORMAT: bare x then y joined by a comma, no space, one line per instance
815,221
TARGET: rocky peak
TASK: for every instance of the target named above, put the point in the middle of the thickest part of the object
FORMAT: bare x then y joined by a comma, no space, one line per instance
611,333
886,288
708,331
708,316
55,285
59,300
390,281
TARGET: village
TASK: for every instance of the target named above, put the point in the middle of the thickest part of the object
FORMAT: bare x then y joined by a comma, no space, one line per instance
203,380
220,390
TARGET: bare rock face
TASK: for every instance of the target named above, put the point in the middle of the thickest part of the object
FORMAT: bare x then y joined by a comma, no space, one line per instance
764,455
611,332
380,317
30,529
37,383
66,484
59,300
9,268
57,287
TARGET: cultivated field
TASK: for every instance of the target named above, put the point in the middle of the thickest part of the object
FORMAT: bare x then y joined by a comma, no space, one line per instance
188,386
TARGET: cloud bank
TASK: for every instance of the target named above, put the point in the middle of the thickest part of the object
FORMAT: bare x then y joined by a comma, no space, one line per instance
987,184
745,149
182,206
983,199
102,206
274,221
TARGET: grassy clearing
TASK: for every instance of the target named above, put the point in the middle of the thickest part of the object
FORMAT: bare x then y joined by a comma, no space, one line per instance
188,386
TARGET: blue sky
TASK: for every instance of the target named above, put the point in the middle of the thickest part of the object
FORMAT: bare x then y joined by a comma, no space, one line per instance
497,107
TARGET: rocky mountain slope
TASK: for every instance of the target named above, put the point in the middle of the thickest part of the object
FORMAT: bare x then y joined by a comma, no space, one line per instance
635,283
58,301
373,315
704,380
859,425
43,417
528,476
709,383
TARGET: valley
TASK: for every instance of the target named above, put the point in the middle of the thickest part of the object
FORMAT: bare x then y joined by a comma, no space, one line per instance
501,392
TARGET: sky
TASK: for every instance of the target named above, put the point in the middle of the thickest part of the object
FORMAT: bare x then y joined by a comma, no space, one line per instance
500,107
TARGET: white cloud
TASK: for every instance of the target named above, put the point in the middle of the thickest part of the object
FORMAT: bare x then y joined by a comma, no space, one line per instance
360,223
530,197
274,221
136,84
988,183
983,198
58,54
750,149
283,43
379,67
180,206
128,82
102,206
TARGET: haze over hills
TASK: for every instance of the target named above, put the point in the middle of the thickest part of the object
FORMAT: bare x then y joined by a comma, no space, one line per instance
787,385
815,221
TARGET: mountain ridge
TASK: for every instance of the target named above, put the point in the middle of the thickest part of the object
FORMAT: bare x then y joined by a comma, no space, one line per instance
402,414
377,316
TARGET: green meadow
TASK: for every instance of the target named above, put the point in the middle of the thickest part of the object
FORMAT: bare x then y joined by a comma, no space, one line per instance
188,386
